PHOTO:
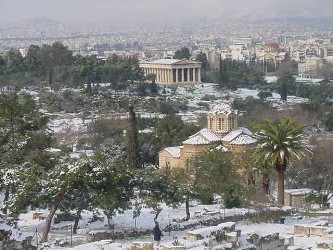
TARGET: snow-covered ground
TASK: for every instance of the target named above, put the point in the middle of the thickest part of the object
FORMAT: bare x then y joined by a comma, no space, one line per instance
125,221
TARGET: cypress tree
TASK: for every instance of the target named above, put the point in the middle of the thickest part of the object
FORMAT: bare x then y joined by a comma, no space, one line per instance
223,75
133,157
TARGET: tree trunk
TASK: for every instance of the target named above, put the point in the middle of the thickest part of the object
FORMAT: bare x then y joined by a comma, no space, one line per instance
57,199
280,197
50,77
265,184
187,209
76,221
6,198
158,211
111,210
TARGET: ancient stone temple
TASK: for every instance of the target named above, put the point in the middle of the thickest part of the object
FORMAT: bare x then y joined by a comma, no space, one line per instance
222,133
173,71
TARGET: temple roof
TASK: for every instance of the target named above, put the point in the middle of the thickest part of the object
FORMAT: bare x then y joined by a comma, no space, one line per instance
172,61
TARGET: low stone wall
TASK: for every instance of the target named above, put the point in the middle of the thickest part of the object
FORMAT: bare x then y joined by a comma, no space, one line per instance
313,230
97,235
12,239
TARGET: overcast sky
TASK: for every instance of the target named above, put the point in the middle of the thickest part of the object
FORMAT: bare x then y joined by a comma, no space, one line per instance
134,11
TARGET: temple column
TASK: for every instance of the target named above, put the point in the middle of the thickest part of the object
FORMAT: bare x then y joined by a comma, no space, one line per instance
159,74
199,75
170,76
183,75
188,74
164,75
193,75
176,75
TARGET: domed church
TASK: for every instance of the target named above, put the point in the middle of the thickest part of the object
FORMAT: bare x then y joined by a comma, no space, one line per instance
222,133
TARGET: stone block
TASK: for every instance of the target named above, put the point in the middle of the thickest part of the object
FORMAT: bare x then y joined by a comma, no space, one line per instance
328,232
289,240
193,236
301,229
232,237
36,215
217,231
317,230
142,246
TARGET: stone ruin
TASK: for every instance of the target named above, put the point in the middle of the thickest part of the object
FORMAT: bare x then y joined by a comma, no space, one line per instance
224,237
13,239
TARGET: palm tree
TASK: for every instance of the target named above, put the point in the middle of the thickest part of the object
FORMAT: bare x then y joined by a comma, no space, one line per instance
278,143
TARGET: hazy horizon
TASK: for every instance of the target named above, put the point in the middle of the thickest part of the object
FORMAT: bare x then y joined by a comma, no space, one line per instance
159,11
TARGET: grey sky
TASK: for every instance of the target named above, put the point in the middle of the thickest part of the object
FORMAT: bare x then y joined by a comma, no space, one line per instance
134,11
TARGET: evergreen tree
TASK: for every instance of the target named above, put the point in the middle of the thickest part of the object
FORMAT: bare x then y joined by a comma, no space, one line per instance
133,157
286,85
223,75
183,53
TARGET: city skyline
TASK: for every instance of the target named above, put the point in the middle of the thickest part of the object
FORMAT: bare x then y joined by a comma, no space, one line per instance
159,11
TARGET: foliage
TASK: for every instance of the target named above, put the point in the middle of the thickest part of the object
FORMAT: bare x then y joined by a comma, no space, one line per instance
286,85
101,129
263,95
278,143
156,187
328,122
24,142
171,130
183,53
317,198
230,198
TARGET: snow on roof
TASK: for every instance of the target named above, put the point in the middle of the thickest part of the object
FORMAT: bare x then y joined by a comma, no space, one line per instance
196,140
245,130
243,140
232,135
166,61
174,151
221,108
209,135
307,80
298,191
235,133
